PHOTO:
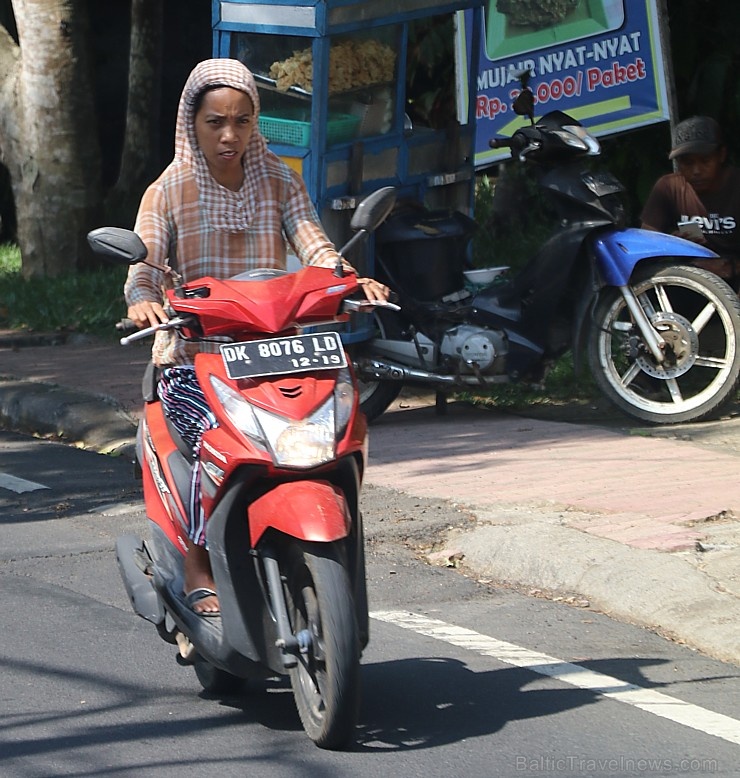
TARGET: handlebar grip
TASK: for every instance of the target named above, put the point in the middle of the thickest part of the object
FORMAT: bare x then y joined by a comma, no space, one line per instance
125,325
171,324
500,143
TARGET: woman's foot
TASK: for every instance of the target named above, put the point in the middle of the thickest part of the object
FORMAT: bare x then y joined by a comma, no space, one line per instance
198,576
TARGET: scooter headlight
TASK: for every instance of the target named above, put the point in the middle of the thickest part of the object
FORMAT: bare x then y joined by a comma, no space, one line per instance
304,442
299,443
240,412
579,138
344,400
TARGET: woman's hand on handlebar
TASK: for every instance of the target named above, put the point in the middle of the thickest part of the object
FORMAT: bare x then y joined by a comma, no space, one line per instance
147,314
373,289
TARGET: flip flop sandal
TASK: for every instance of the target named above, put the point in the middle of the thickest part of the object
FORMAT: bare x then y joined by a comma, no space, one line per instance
195,596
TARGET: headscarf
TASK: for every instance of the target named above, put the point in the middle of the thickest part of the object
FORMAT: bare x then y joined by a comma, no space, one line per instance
225,210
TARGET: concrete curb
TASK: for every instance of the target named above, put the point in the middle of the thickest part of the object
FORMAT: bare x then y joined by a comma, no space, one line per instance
661,591
88,420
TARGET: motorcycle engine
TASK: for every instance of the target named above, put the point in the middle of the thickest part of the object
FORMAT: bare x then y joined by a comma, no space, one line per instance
470,345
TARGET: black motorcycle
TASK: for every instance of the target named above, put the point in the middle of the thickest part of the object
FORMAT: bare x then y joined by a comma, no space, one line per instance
660,332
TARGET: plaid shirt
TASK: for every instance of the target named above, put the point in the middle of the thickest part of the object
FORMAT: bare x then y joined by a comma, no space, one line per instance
176,230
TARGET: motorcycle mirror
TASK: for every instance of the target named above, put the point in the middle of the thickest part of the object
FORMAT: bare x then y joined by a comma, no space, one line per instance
368,216
374,209
117,245
125,247
524,104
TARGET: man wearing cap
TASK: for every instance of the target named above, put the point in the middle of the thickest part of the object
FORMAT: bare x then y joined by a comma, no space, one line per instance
704,190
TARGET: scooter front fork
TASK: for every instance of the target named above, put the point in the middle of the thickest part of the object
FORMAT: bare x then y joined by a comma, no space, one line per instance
289,644
652,338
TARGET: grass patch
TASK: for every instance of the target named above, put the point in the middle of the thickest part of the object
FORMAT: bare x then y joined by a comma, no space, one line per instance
560,385
90,302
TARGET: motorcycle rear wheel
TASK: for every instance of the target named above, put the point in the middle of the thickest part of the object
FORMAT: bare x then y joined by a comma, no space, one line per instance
376,396
698,315
326,681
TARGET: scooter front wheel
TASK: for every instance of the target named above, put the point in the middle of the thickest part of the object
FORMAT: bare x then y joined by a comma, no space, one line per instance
698,317
326,681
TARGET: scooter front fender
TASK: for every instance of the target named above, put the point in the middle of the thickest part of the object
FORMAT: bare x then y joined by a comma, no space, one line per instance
307,510
618,251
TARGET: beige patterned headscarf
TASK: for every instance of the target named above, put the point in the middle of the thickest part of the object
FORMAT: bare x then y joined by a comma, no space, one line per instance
226,211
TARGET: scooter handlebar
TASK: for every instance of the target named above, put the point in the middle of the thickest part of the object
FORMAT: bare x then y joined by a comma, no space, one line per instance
500,143
171,324
366,306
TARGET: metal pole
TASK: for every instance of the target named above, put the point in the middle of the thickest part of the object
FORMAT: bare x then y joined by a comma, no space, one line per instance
665,47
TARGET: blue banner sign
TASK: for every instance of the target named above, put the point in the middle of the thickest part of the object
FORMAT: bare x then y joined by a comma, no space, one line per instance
600,61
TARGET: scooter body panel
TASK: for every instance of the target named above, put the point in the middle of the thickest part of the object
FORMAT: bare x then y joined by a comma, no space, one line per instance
229,307
163,468
307,510
617,252
252,504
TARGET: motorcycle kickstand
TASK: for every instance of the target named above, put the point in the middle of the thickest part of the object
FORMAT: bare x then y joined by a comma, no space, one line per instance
440,403
440,397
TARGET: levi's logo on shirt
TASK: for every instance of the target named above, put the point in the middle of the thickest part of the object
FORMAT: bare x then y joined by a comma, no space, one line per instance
714,224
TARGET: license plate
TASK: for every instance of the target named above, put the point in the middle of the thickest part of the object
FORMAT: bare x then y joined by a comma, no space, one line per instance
296,354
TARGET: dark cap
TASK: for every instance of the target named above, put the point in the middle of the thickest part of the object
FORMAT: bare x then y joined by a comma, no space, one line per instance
697,135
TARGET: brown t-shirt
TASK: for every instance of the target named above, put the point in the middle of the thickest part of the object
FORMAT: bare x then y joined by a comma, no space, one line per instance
673,200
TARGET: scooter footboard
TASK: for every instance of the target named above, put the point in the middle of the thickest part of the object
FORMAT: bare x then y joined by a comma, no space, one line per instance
307,510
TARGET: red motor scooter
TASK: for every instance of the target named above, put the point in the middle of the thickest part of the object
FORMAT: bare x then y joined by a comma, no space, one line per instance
280,476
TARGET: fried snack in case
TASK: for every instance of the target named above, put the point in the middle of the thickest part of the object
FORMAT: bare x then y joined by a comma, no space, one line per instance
352,65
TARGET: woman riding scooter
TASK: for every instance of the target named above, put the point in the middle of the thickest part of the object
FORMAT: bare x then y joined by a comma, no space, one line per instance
224,205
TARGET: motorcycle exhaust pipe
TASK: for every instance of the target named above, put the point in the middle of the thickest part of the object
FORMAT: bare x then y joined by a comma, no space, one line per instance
380,370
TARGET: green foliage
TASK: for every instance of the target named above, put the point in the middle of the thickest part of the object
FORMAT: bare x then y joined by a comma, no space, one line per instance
430,73
10,259
512,217
561,384
77,302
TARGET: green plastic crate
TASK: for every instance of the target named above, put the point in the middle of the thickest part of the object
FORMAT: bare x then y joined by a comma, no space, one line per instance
294,131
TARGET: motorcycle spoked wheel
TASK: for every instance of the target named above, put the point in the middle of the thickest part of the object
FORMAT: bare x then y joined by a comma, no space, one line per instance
698,315
326,681
376,396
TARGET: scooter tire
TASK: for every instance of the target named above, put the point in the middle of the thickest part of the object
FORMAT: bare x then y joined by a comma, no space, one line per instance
376,396
326,681
698,315
214,680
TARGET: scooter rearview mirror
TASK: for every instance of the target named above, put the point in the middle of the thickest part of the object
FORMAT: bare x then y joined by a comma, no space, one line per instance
368,216
374,209
115,244
124,247
524,102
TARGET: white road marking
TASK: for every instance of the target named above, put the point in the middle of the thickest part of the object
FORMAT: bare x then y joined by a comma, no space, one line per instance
662,705
19,485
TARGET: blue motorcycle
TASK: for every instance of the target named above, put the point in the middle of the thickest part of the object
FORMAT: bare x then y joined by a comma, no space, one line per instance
660,333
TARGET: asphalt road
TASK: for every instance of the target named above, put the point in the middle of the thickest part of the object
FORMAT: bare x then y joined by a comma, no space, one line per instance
462,677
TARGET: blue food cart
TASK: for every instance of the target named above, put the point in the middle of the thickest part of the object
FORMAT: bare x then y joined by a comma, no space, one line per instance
336,95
